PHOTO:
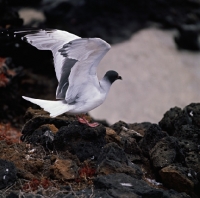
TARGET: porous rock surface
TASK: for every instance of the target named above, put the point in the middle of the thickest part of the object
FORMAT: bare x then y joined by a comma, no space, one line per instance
123,160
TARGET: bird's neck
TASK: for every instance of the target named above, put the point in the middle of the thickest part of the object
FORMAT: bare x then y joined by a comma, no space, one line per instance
105,85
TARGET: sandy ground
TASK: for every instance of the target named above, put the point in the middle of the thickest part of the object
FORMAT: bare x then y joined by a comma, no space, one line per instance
156,77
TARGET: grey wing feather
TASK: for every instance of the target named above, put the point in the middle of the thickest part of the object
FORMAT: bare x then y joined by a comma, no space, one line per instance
88,53
50,40
53,40
64,82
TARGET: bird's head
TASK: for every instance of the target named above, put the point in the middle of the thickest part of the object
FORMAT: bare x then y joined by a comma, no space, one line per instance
112,76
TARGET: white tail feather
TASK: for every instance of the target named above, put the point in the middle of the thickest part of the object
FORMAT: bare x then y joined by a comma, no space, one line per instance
55,108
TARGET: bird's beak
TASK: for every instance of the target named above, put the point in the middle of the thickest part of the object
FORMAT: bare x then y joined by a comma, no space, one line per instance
119,78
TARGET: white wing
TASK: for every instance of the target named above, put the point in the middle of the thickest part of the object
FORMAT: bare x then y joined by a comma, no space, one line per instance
87,53
50,40
75,59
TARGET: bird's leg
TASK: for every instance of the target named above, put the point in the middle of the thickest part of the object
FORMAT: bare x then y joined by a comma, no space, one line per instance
83,120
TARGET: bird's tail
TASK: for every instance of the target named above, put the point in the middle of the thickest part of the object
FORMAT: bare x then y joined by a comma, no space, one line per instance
55,108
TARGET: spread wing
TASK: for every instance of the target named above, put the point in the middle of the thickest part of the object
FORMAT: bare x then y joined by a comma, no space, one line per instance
75,58
49,40
86,54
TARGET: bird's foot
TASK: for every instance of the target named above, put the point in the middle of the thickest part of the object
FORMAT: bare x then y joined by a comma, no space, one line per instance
84,121
81,120
94,124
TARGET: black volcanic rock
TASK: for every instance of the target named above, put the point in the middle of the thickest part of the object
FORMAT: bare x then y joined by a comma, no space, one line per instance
126,183
184,126
117,127
167,151
112,159
42,136
132,150
126,186
192,160
7,174
152,135
188,132
79,139
168,121
193,110
78,153
176,119
40,118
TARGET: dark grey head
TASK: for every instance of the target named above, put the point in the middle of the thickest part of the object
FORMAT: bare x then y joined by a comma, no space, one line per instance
112,76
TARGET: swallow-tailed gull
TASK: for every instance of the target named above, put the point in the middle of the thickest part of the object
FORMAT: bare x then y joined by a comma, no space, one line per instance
75,60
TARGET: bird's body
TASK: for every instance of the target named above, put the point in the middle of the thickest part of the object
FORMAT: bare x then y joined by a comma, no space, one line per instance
75,60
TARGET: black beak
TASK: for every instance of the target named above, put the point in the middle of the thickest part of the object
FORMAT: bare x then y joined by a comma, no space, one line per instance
119,78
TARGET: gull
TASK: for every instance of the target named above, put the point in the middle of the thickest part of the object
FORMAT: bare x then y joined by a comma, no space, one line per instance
75,61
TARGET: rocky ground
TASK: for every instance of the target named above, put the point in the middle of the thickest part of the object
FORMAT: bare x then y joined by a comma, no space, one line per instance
59,157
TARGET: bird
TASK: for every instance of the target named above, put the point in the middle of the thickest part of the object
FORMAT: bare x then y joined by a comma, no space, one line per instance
75,61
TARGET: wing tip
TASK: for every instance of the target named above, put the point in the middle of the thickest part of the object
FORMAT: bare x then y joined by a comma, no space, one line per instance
24,97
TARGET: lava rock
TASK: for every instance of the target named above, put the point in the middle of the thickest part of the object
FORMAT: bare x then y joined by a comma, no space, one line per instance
126,183
153,134
140,127
166,152
133,151
64,169
193,110
192,161
130,187
37,119
117,127
175,119
188,146
35,166
7,174
168,121
179,178
42,136
111,136
188,132
126,133
81,140
118,193
112,159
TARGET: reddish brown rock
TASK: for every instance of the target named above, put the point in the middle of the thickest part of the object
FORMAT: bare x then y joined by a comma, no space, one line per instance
64,169
111,136
174,178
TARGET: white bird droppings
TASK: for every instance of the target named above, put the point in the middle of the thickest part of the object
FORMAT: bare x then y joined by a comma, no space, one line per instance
126,184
